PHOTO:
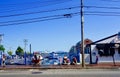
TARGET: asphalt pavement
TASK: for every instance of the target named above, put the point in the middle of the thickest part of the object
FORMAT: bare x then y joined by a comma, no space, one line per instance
61,73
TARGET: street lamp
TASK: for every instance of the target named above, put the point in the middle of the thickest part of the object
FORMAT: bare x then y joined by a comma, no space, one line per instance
25,43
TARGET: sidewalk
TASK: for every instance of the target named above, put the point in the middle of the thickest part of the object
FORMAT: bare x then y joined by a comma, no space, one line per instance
88,66
103,66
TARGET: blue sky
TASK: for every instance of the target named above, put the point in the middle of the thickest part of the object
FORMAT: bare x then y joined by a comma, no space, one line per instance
59,34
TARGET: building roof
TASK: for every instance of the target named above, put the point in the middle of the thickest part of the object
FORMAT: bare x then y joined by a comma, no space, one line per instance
104,39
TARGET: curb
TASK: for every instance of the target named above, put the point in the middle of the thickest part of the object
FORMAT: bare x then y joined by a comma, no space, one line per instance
26,67
42,68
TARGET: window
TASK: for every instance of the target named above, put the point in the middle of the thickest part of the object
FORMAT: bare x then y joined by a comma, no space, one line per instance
87,50
105,49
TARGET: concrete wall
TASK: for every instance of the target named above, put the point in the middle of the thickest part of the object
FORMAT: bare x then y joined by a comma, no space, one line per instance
87,58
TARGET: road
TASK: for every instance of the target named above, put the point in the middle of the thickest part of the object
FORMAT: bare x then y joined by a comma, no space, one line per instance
61,73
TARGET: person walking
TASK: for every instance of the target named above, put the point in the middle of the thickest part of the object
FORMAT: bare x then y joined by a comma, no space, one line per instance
3,60
96,59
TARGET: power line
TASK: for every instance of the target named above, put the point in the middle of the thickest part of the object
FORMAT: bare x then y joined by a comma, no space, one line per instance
102,14
26,22
23,3
32,2
104,7
28,13
67,15
110,0
14,4
86,12
39,20
30,19
56,2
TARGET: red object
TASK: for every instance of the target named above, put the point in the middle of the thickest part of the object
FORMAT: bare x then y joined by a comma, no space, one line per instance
35,61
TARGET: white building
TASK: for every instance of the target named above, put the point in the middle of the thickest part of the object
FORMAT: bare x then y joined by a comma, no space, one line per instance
106,49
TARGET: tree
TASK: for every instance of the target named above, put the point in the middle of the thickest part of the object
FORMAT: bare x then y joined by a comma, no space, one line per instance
2,48
10,52
19,51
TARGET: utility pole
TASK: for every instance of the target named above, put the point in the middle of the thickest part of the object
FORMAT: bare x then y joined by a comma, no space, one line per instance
30,54
82,33
1,37
25,43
